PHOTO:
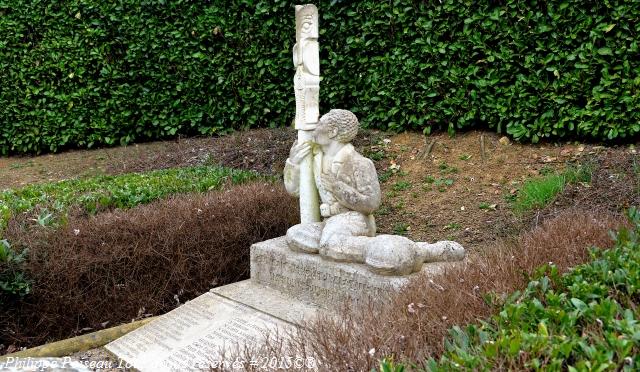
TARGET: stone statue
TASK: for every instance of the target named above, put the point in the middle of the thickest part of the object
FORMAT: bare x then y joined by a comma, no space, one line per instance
349,192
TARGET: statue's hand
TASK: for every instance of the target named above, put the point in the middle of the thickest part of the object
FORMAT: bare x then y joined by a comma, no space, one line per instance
328,210
325,210
298,152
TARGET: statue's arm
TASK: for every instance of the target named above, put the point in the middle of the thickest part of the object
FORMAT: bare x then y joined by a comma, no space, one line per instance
297,154
363,193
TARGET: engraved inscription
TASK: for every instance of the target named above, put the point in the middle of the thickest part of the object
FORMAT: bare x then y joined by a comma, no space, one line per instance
194,335
321,282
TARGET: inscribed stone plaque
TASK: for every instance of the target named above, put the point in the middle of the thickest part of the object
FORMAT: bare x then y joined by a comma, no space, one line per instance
269,300
195,335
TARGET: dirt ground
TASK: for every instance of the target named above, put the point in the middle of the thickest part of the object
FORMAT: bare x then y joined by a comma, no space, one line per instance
434,188
260,149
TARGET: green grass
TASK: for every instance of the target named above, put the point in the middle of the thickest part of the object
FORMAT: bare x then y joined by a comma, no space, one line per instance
452,226
538,192
401,185
486,206
584,320
446,169
122,191
384,176
375,155
401,228
429,179
440,184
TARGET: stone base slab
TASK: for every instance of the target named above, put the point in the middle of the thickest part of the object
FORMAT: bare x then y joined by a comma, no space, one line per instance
316,280
269,301
200,334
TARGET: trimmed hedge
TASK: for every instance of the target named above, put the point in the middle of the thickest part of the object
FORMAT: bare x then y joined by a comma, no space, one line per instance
85,73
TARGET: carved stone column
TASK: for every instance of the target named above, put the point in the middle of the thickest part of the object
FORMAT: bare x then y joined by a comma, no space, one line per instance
306,59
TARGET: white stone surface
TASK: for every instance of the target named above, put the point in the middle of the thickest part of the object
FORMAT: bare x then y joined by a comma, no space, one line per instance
268,300
392,255
197,335
335,182
313,279
444,250
306,82
306,60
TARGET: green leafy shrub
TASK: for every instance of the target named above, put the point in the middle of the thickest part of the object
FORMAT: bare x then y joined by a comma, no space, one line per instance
90,73
12,279
121,191
388,365
584,320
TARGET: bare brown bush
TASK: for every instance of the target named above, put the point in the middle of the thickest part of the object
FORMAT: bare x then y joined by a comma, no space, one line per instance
413,326
116,266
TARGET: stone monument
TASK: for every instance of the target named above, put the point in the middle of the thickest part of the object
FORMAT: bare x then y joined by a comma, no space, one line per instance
334,253
332,257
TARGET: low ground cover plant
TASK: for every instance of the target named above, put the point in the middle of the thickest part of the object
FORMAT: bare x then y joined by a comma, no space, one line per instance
100,270
12,279
586,319
47,205
50,201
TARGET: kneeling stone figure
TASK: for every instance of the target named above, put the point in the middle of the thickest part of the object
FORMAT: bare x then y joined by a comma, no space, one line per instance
349,191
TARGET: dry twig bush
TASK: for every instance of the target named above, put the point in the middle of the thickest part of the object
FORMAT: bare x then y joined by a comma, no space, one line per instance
414,325
117,266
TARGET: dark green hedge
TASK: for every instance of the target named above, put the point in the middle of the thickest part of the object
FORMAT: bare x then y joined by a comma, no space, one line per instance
86,72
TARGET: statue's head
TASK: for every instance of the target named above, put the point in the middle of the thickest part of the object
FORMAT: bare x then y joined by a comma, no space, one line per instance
306,22
336,125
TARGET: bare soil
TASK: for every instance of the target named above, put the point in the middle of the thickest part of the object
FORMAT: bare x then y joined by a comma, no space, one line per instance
437,187
259,149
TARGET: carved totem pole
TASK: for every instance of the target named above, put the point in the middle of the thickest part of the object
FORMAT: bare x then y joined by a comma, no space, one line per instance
306,59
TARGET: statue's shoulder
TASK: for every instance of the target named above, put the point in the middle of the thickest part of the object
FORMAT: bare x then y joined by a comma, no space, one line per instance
349,155
354,162
362,160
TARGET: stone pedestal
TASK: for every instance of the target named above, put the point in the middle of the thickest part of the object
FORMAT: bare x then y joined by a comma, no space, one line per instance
286,288
316,280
